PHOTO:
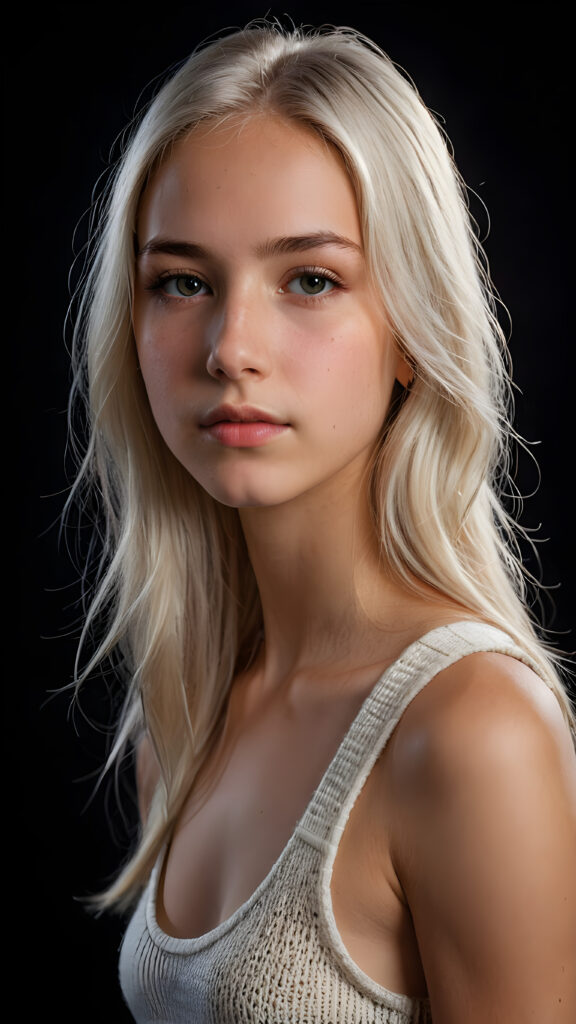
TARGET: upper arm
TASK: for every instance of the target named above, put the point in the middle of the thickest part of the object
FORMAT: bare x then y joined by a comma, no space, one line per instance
486,844
147,775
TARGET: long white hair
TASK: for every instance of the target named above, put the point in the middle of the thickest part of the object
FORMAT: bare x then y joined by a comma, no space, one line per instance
176,591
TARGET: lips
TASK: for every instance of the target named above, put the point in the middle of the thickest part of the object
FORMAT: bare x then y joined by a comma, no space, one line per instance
239,414
241,426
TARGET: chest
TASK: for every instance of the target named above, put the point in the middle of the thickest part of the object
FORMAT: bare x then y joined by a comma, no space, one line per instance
241,814
244,807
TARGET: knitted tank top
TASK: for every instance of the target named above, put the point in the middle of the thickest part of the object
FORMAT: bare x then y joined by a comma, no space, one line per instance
279,958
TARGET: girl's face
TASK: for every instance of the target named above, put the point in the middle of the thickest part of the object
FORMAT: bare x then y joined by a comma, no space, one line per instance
266,356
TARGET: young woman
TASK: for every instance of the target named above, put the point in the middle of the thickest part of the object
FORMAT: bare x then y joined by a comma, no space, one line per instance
355,770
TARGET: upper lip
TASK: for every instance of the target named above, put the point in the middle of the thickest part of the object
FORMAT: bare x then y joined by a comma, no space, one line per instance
239,414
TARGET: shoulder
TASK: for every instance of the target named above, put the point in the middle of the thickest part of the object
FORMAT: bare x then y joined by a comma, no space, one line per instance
483,733
482,770
488,709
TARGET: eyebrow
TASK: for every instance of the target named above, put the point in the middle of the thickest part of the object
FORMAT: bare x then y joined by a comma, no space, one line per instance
300,243
273,247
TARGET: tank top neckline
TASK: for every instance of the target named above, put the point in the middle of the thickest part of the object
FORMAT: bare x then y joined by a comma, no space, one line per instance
305,826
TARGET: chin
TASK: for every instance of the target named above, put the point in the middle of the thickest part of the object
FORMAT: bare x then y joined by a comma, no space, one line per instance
246,500
239,494
240,483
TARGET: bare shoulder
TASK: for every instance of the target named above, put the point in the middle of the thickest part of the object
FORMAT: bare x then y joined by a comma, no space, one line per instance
486,705
485,733
482,772
147,774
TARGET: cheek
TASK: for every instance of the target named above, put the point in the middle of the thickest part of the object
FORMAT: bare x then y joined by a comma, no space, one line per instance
165,358
162,340
356,375
159,382
154,375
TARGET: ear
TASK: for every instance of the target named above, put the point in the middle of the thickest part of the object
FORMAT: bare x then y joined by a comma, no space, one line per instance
404,372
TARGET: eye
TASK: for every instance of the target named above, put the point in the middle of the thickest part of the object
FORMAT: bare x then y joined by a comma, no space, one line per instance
184,286
310,284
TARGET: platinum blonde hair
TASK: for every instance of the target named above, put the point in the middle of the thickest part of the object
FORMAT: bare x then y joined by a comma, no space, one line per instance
176,589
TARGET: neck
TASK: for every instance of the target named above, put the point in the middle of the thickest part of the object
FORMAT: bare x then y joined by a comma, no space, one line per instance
326,593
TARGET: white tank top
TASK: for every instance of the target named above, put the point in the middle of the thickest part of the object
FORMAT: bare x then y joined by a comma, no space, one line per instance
279,958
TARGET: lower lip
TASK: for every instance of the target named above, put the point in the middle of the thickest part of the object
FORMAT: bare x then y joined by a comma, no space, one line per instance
244,435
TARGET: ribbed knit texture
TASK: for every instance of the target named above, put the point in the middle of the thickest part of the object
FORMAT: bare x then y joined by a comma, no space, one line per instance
279,958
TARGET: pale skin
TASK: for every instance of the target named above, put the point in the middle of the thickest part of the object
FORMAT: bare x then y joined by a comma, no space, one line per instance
455,875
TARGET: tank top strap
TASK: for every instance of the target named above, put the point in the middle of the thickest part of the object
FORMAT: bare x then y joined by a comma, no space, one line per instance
325,817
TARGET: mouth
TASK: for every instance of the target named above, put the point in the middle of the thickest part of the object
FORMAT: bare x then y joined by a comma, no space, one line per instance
241,426
240,414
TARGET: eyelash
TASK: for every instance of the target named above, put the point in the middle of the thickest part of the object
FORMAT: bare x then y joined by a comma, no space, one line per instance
160,282
327,275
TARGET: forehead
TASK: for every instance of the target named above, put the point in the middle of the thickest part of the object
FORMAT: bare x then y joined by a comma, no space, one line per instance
258,176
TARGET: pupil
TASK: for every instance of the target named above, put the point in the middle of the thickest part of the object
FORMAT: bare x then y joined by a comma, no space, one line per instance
312,283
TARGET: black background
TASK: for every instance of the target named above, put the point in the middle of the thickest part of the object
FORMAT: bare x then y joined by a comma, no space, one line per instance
75,73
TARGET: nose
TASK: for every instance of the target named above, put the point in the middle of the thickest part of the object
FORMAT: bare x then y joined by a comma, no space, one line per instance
237,342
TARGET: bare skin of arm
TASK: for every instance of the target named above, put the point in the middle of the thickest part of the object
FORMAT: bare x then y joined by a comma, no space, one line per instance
483,776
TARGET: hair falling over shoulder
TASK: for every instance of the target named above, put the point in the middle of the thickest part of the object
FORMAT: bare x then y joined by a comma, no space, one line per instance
176,592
